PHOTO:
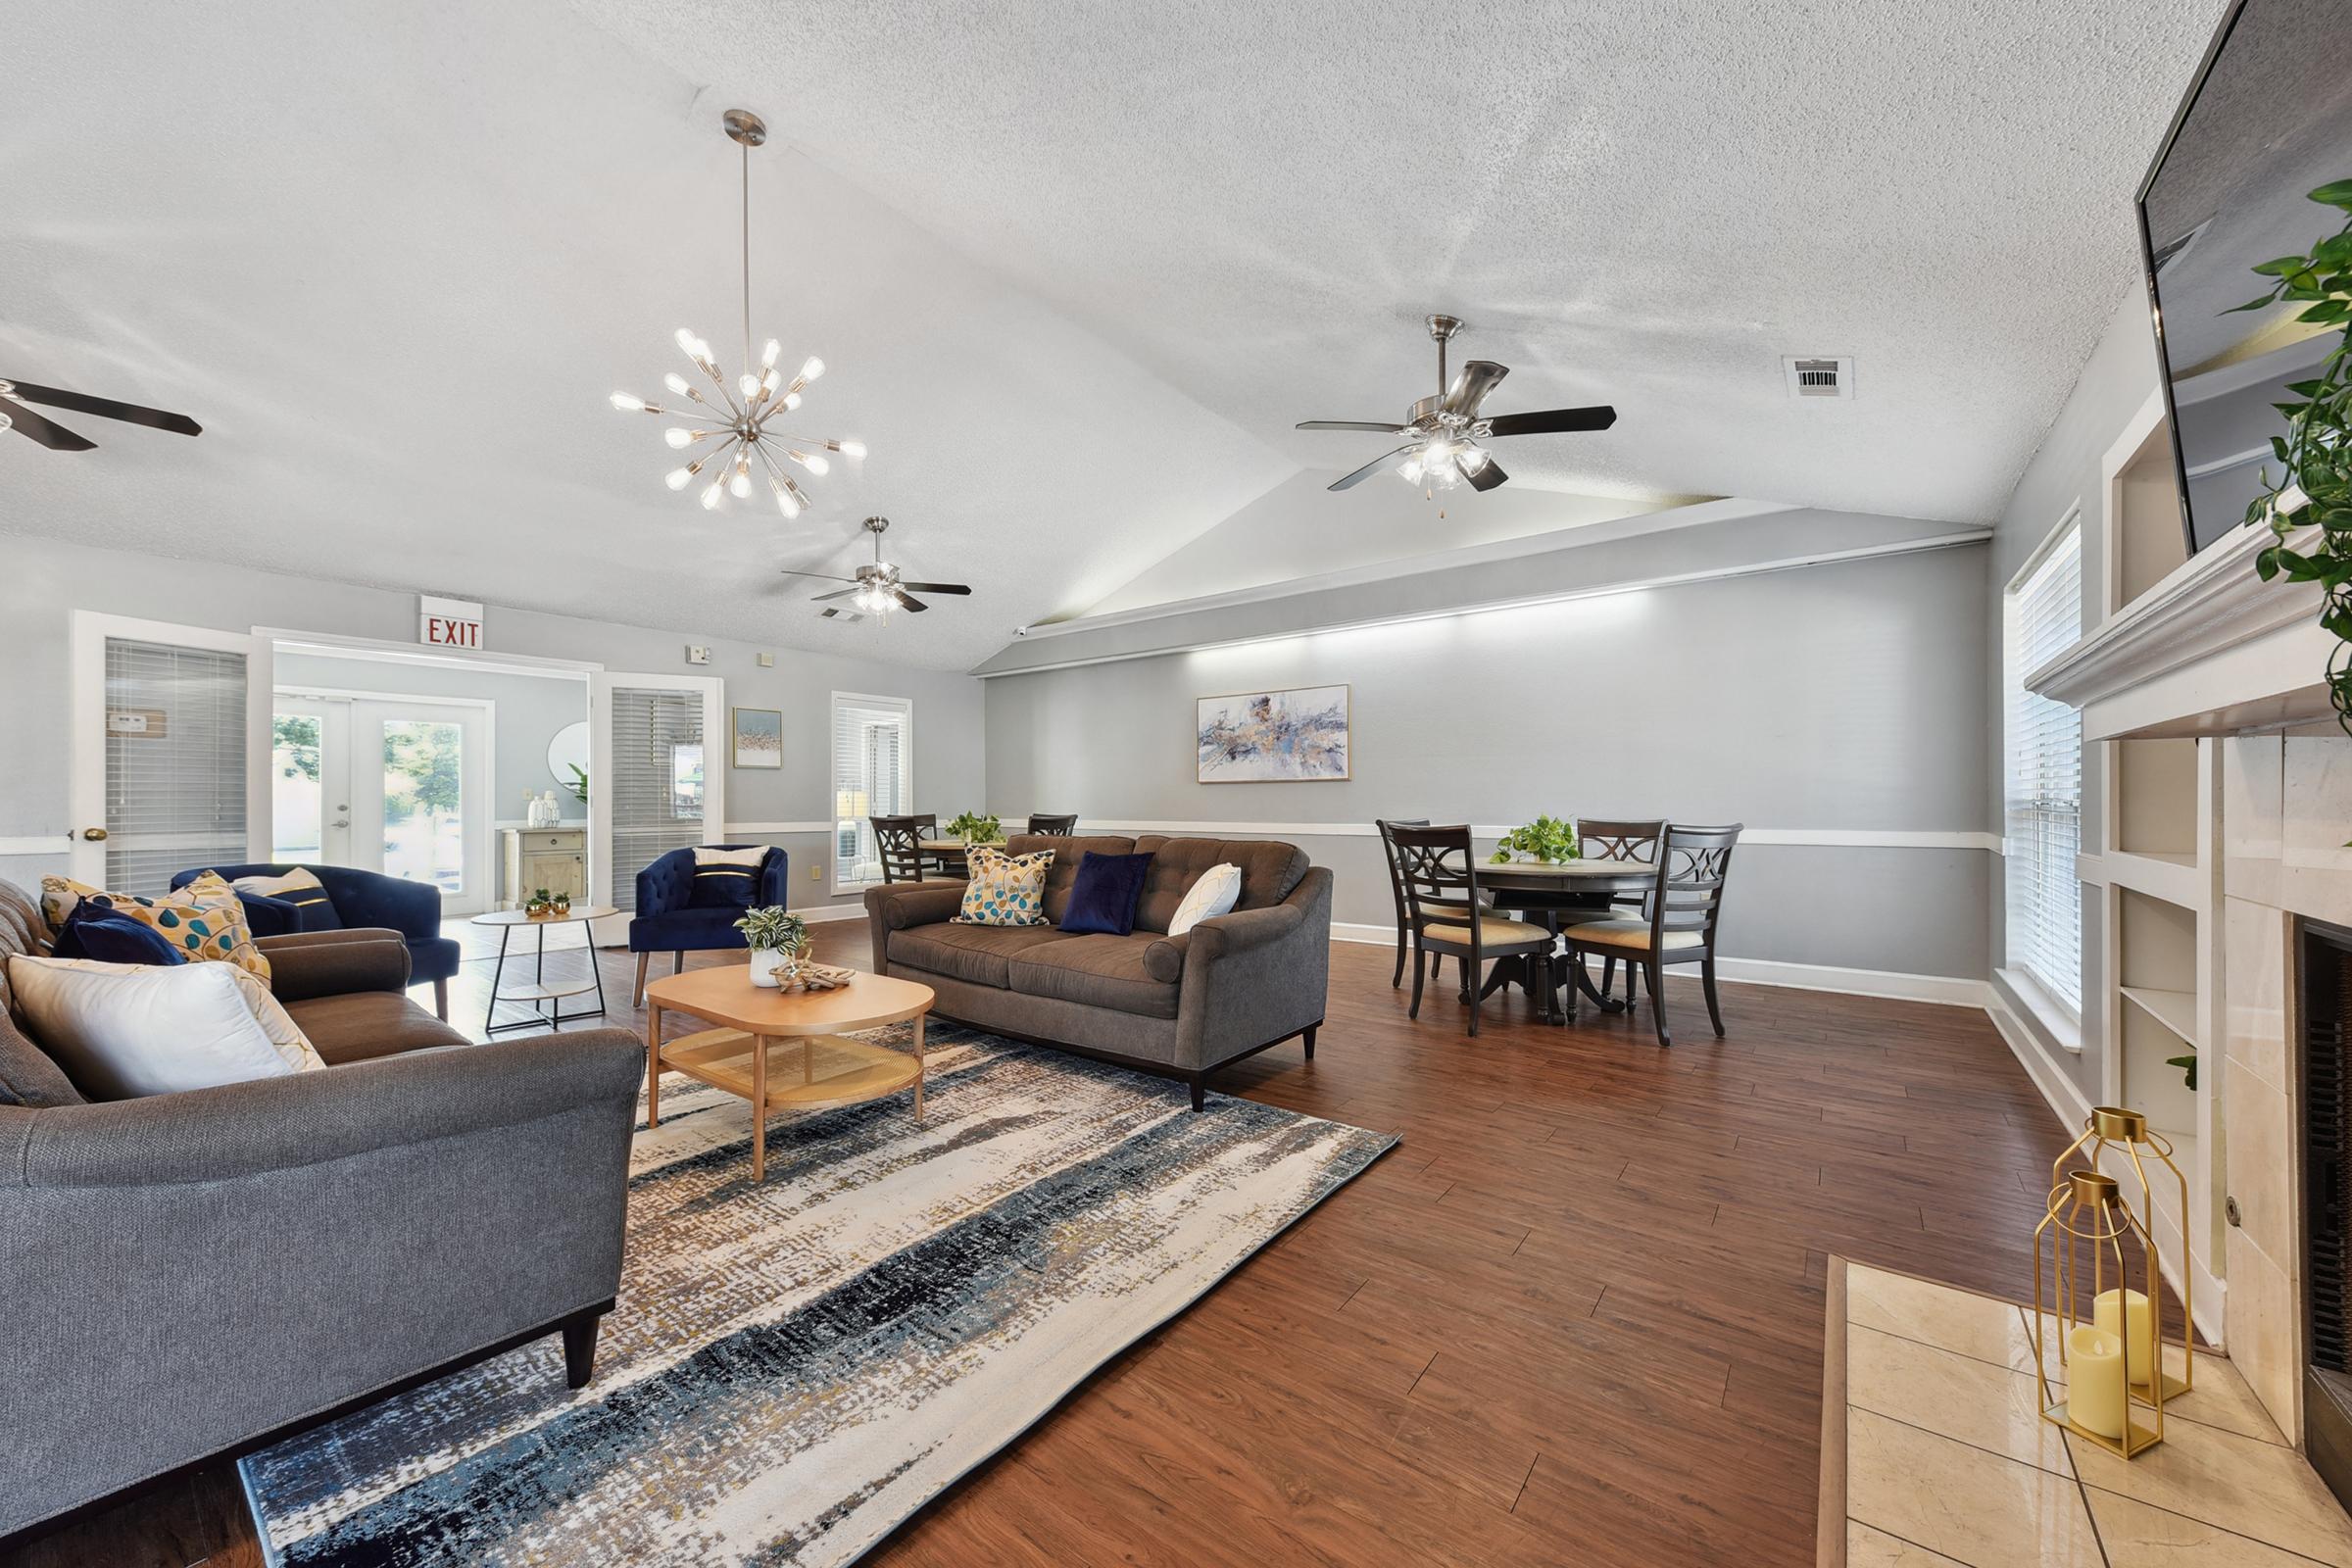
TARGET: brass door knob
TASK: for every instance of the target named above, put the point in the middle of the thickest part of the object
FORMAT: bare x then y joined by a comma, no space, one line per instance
94,834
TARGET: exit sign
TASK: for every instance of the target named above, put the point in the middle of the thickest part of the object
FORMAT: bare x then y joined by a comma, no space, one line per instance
448,622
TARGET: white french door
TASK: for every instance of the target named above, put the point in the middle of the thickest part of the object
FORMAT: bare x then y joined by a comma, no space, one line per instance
659,782
165,731
396,785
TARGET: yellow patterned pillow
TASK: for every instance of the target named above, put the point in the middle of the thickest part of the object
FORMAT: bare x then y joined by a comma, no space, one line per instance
203,919
1004,889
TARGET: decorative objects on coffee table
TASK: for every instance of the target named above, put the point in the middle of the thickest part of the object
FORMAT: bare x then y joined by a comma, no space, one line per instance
1260,737
758,736
545,997
833,1069
778,940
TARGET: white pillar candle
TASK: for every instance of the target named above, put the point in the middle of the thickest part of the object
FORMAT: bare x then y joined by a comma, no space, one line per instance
2125,1313
2094,1381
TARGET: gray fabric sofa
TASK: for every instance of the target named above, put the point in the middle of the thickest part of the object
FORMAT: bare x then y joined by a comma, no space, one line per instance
1181,1006
187,1275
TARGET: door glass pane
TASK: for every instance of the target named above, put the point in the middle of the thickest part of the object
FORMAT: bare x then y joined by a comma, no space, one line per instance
296,792
174,762
424,829
657,783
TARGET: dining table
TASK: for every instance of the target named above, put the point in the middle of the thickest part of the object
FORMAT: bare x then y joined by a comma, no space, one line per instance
1571,889
950,852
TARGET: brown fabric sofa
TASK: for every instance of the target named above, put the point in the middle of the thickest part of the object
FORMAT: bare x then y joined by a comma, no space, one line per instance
1181,1006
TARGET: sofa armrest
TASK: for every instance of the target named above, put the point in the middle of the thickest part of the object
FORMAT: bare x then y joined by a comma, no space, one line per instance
1249,928
332,963
1254,976
897,906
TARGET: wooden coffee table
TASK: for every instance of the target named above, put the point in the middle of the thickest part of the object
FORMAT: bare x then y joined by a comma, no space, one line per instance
752,1020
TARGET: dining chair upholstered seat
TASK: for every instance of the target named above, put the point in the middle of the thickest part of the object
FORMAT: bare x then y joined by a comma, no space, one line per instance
1494,935
1626,931
1437,869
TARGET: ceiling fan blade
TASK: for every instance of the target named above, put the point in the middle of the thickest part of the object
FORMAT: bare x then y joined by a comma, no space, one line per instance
1349,425
108,408
936,587
1471,384
1490,475
844,593
906,600
56,437
1367,470
1554,421
829,577
836,612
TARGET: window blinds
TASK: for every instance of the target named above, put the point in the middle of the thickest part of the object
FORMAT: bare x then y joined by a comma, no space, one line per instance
2043,619
174,762
872,776
657,783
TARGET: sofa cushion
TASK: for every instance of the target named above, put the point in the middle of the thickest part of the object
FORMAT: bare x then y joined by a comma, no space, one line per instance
305,897
974,952
203,919
362,1025
1004,889
112,937
725,879
1270,869
123,1031
1068,852
1103,897
1097,971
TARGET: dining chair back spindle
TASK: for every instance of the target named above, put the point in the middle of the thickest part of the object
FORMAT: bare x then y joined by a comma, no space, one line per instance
1058,827
1684,904
1438,869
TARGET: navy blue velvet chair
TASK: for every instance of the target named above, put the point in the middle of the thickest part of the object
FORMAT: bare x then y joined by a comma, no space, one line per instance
666,923
360,899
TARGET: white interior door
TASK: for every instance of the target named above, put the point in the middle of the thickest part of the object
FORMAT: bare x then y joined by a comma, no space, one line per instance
659,781
168,756
421,796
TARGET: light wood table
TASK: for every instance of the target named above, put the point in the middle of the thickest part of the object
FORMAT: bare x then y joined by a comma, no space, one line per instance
834,1070
545,996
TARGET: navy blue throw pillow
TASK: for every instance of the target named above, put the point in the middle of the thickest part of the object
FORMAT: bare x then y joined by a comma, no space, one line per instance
109,936
723,886
1103,897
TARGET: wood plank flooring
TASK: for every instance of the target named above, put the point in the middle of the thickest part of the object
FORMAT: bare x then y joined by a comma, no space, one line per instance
1575,1317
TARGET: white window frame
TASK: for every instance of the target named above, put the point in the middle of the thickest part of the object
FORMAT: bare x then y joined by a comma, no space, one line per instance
842,867
2060,993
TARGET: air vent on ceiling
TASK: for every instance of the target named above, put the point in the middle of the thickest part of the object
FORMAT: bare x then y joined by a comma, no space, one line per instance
1819,377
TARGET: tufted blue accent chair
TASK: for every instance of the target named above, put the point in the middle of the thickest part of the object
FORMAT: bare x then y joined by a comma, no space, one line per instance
665,922
360,899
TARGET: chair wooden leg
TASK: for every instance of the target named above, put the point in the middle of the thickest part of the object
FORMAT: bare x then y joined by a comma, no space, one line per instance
1309,1038
678,961
441,999
1633,991
1657,1000
1398,979
1414,1012
579,1347
1470,993
1469,980
643,959
1706,977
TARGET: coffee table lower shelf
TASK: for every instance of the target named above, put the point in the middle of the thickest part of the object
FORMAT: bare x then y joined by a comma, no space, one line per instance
795,1072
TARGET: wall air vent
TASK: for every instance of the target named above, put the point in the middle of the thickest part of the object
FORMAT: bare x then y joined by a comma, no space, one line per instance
1830,377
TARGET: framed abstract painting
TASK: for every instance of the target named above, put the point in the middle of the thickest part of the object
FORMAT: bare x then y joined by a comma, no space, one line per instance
1292,736
758,736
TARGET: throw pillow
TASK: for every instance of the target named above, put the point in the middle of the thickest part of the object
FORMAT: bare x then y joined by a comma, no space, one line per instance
1105,893
725,879
122,1031
301,888
1004,889
1218,890
203,919
109,936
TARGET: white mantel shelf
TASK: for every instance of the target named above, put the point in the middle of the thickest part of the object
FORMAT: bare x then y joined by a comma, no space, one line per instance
2210,649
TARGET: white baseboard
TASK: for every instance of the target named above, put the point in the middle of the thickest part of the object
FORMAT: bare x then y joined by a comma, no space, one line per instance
833,911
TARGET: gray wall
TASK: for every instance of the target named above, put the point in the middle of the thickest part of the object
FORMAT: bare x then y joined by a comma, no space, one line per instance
2116,380
1848,696
41,581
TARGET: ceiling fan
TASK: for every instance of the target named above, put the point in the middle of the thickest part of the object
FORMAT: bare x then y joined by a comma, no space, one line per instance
14,415
876,590
1446,428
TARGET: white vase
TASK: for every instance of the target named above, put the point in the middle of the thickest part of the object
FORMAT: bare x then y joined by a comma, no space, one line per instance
770,967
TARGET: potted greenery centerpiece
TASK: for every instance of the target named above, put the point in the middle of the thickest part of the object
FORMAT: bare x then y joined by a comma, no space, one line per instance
2314,487
539,903
778,940
973,828
1545,840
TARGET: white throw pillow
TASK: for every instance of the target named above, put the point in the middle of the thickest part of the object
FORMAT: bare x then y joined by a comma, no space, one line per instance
1216,893
124,1030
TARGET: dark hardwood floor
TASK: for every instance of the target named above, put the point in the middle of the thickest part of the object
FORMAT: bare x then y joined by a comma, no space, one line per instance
1574,1317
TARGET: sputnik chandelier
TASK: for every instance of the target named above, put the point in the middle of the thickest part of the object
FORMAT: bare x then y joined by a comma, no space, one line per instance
739,420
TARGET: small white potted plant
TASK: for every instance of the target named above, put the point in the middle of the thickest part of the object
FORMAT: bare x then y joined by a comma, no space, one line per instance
778,940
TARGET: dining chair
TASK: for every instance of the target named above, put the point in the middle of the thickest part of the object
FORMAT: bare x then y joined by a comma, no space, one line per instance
1635,841
1056,827
1679,926
900,842
1405,926
1440,872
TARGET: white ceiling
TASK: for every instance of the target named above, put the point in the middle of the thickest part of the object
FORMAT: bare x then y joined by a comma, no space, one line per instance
1076,268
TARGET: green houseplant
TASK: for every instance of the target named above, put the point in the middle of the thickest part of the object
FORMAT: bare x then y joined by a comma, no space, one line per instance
973,828
1545,840
778,940
2314,486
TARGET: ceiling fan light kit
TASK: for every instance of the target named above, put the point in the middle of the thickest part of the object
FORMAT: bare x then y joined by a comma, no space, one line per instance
877,589
1446,428
747,453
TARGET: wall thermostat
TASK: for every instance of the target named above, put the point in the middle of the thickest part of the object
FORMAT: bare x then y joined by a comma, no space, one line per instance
697,654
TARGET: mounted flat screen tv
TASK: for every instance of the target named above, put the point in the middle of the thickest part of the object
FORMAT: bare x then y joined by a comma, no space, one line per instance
2266,121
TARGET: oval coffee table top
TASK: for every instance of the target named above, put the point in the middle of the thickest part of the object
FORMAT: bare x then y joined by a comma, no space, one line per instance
725,995
572,916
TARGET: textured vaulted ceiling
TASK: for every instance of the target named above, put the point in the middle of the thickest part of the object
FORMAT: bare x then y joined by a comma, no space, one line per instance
1076,267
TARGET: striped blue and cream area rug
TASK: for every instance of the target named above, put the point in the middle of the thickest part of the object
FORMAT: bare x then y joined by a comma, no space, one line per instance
797,1366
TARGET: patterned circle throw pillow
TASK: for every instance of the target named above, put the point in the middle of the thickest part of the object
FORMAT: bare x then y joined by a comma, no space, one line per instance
204,919
1004,889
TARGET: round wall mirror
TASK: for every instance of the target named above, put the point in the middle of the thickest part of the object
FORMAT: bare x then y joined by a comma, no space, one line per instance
566,752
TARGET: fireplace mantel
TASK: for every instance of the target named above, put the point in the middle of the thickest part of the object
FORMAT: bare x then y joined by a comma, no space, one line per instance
2210,649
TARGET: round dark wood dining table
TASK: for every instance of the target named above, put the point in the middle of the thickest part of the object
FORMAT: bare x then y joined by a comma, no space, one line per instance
1570,890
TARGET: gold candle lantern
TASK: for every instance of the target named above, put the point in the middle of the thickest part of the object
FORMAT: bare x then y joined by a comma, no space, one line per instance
2122,1311
2107,1373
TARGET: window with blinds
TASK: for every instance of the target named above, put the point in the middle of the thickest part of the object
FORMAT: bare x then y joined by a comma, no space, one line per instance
2042,617
174,762
873,762
657,784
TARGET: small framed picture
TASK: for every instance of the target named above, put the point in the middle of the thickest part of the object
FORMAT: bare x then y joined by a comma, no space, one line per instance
758,736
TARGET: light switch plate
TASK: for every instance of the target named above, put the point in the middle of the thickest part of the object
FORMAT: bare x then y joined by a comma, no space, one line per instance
816,872
697,654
